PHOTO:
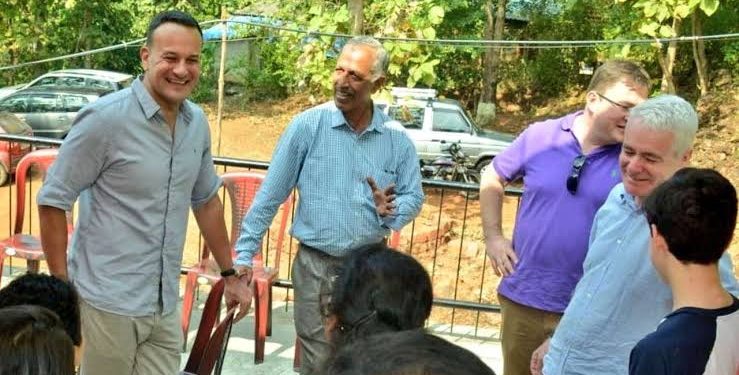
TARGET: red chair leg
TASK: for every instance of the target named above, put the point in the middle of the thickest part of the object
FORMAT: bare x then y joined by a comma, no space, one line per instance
260,318
2,261
297,354
269,310
188,301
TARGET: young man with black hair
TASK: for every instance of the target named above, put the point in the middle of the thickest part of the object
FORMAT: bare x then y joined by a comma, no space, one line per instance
138,159
692,218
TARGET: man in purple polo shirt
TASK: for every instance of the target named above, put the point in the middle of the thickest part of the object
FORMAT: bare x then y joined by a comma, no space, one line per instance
568,166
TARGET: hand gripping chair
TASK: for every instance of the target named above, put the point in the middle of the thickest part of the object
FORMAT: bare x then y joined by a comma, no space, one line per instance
242,188
209,350
22,245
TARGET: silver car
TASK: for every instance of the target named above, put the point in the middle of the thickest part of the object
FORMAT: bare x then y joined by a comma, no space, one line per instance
433,124
50,110
76,78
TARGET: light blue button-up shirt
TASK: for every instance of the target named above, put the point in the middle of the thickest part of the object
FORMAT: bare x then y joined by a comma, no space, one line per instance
329,163
136,184
620,298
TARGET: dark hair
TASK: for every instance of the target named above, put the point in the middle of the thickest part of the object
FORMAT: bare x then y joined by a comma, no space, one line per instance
378,290
405,353
50,292
695,211
613,71
33,342
174,16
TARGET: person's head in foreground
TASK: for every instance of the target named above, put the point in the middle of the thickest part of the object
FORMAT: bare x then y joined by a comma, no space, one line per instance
33,342
378,290
405,353
50,292
657,142
692,218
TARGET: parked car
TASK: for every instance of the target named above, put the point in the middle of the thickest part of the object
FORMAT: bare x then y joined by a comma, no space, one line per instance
76,78
433,124
50,110
12,152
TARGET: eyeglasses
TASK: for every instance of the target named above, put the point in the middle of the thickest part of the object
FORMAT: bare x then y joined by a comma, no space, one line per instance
574,178
619,105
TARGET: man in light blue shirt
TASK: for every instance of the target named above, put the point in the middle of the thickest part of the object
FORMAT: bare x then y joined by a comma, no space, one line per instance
357,176
620,297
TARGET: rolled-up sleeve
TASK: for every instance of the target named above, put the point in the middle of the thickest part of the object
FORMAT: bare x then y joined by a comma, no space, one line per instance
81,158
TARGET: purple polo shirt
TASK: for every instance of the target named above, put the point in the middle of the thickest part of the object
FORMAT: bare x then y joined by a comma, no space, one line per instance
553,226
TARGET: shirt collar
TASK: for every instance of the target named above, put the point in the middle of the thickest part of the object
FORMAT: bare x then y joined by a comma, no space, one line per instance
377,124
569,120
149,105
627,199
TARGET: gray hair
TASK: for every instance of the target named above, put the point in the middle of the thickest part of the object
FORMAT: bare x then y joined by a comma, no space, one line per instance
381,58
669,113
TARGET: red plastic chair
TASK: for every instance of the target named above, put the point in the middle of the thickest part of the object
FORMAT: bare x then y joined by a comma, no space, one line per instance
22,245
242,187
209,350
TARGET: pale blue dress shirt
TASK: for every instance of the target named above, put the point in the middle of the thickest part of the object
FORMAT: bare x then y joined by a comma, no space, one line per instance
136,184
329,164
620,298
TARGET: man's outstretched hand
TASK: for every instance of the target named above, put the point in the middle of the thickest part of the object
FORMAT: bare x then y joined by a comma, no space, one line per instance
384,198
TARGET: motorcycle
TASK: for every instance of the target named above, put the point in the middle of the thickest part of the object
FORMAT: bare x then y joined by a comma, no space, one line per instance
456,167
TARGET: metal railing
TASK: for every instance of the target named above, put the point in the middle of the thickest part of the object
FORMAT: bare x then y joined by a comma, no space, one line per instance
446,238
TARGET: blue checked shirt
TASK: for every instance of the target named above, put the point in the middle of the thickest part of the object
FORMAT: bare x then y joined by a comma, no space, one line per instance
329,163
620,298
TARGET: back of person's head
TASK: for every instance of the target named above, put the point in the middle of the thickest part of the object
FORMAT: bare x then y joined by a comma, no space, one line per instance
33,342
378,290
173,16
50,292
695,211
668,113
405,353
613,71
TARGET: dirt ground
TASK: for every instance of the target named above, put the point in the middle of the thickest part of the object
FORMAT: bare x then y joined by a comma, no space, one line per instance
459,268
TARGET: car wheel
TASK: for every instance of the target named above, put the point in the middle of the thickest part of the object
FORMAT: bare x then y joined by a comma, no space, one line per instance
4,177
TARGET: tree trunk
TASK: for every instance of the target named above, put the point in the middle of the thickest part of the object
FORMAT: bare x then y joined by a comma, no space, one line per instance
699,54
667,62
493,31
356,16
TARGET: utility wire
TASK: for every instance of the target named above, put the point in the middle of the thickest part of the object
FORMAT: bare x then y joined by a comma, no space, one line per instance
472,43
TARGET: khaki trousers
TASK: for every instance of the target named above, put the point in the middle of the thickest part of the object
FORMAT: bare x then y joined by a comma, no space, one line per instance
310,269
123,345
523,330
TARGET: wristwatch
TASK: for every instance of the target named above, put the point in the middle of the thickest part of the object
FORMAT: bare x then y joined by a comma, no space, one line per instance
229,272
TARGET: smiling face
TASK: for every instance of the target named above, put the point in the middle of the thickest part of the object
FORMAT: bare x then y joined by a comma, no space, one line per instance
610,108
648,158
353,80
171,63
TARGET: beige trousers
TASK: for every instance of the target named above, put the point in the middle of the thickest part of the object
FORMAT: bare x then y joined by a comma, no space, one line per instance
123,345
524,329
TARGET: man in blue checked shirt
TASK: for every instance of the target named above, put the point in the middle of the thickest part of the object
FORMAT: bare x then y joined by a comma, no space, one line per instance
357,176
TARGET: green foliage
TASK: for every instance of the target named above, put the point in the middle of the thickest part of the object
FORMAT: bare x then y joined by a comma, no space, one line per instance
205,91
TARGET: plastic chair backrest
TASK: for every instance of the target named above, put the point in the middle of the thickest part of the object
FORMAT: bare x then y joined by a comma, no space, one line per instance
207,321
41,159
217,346
242,188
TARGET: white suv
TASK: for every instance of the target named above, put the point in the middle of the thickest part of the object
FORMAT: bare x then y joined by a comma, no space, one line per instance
433,122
